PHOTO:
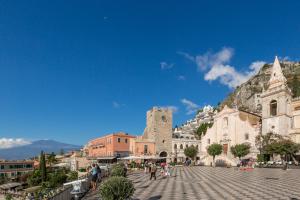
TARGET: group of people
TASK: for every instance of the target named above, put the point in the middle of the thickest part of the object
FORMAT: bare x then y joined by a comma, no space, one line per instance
95,172
152,169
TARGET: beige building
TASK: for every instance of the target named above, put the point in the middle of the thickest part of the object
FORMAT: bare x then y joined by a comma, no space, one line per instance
231,127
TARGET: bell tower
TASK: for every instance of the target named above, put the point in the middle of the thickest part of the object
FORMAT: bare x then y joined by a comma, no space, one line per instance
159,129
276,103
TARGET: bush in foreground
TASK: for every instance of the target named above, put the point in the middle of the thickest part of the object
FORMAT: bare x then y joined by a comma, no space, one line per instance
118,170
116,188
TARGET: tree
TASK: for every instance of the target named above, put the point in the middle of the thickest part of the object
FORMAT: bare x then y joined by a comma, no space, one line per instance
262,141
214,150
34,178
51,159
240,150
295,86
191,152
201,130
43,169
283,147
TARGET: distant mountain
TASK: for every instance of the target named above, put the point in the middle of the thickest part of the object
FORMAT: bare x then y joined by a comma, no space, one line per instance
34,149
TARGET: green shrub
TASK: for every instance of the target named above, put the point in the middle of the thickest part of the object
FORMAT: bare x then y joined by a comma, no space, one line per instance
9,197
118,170
55,179
73,175
133,164
35,178
116,188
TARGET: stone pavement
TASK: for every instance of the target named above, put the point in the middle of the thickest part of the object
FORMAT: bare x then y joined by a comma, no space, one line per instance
219,183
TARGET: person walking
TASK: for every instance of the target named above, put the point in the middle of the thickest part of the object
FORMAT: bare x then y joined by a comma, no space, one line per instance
167,169
146,167
153,172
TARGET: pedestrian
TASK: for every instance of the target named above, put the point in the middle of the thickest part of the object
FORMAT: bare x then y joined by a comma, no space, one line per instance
146,167
153,172
98,174
149,167
167,169
94,176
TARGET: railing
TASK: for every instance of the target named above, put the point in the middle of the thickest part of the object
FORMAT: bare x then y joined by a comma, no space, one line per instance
63,195
66,193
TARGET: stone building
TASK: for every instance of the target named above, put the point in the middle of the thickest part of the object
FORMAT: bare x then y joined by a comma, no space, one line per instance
280,112
159,130
230,127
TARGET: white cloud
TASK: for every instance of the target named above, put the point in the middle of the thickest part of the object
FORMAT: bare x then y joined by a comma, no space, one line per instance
165,65
190,106
216,67
6,143
181,78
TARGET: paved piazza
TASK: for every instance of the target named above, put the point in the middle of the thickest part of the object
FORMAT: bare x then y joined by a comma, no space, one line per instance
219,183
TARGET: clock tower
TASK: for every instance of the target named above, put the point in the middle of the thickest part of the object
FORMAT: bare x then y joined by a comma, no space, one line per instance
159,129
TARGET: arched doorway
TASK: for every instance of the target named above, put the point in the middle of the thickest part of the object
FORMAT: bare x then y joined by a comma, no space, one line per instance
163,154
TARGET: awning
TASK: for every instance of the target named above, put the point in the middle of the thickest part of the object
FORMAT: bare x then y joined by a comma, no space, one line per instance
130,158
8,186
106,158
143,158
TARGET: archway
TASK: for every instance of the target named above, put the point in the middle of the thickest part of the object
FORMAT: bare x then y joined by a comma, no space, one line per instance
163,154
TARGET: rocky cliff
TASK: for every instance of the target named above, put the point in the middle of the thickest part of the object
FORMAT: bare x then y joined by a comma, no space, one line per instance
246,96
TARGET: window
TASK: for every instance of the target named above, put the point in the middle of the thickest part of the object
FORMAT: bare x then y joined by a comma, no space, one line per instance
119,140
273,108
246,136
181,146
175,146
186,146
126,140
145,149
225,122
197,146
208,141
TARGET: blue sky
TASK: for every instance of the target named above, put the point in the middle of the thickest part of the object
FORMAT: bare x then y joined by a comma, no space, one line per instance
75,70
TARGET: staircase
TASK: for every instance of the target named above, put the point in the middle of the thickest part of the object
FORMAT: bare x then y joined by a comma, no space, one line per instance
229,160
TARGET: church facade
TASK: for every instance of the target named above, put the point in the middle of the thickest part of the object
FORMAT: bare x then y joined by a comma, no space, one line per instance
230,127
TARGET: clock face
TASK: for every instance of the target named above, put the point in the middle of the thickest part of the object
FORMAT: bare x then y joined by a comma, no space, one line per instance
164,119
